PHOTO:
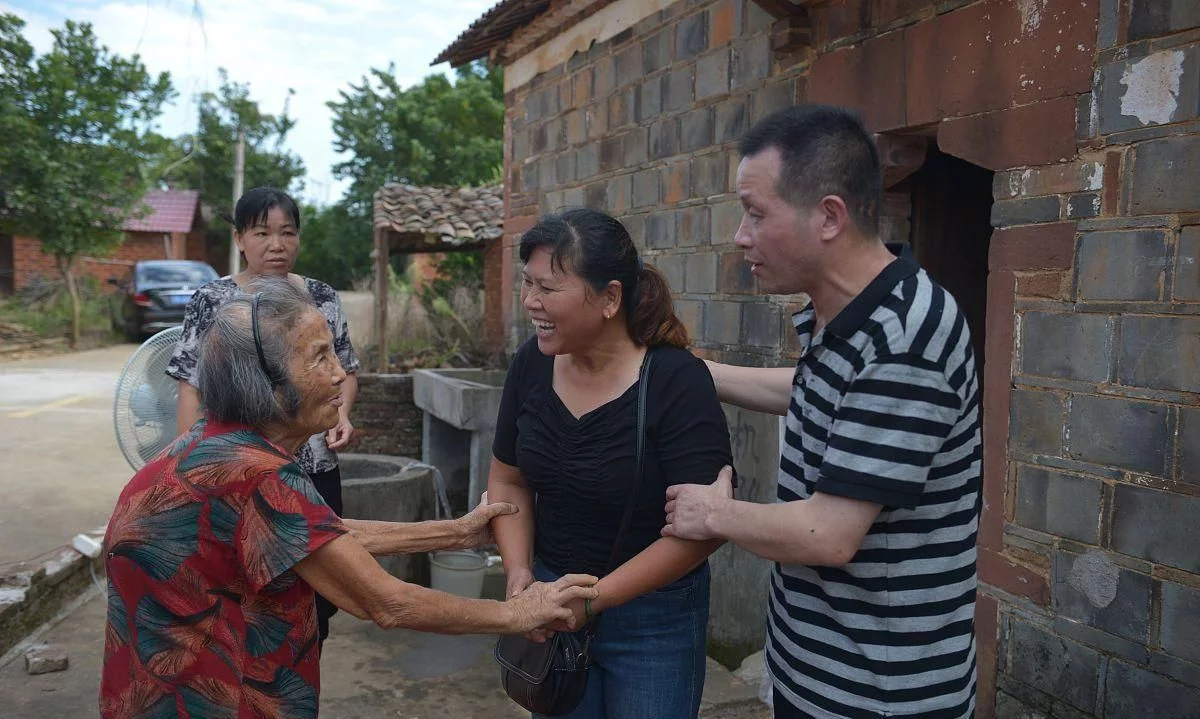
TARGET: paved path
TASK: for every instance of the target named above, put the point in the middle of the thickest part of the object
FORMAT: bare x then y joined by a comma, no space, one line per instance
62,469
366,673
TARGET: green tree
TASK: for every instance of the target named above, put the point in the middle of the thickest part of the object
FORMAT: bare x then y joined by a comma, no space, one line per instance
434,133
324,250
437,132
76,123
204,161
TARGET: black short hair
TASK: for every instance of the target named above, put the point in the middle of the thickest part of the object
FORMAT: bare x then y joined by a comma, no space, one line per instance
255,204
825,150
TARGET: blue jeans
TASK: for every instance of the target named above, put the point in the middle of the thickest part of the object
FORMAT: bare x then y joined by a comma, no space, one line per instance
648,655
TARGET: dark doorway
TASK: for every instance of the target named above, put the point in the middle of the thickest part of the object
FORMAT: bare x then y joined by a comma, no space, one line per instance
7,266
951,233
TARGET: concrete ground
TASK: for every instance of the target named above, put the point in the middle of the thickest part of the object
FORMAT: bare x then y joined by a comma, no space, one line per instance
62,468
366,673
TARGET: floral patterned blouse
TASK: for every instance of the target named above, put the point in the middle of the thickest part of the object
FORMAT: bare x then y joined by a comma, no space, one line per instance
315,456
206,615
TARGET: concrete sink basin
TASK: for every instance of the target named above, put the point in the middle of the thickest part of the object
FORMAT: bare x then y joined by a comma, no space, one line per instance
460,407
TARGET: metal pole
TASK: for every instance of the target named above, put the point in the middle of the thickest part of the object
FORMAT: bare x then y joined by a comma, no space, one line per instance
239,170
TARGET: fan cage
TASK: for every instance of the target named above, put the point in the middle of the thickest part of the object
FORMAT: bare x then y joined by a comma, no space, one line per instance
144,401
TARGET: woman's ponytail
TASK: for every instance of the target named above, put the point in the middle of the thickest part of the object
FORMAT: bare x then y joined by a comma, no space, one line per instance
652,322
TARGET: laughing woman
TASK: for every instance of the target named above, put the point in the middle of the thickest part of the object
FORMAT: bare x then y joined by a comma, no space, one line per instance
565,454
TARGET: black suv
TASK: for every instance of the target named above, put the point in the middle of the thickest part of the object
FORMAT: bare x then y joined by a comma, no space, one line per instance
155,293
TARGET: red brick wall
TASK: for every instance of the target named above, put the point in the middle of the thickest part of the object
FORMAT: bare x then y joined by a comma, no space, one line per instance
493,288
384,417
30,262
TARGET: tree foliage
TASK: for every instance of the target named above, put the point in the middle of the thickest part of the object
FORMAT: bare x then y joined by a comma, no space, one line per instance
434,133
326,251
204,161
77,128
437,132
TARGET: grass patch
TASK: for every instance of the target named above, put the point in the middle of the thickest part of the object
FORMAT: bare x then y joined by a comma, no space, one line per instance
44,308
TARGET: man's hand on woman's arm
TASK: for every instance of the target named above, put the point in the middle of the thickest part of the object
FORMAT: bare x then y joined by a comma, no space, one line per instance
823,530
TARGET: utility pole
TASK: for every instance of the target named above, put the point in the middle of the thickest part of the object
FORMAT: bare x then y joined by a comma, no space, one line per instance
239,171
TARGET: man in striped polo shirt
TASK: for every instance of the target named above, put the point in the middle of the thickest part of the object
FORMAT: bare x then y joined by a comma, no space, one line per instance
873,535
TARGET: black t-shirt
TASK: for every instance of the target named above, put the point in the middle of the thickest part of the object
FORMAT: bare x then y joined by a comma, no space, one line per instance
582,470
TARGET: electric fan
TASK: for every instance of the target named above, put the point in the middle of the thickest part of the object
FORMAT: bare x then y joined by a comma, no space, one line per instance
144,406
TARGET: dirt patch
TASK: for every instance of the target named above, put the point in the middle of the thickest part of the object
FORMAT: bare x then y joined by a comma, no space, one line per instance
20,342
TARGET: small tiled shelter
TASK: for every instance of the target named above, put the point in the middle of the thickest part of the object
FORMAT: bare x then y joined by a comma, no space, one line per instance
412,220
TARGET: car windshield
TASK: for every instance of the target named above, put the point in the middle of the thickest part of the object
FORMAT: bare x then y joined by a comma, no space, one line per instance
191,274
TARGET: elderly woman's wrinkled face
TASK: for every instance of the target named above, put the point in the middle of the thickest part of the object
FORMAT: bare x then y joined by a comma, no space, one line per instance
316,373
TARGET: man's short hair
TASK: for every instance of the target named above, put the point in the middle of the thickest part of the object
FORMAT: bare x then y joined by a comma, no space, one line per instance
825,150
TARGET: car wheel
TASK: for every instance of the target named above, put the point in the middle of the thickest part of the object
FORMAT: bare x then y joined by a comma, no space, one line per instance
132,332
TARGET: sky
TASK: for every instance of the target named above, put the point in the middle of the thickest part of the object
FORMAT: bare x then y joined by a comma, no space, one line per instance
315,47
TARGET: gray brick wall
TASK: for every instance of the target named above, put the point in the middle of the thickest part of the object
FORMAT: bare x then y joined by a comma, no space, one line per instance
1104,439
645,127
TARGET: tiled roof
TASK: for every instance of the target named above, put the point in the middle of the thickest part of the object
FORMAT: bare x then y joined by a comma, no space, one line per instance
167,211
441,216
496,26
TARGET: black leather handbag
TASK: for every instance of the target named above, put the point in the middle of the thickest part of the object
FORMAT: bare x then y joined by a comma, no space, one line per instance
550,678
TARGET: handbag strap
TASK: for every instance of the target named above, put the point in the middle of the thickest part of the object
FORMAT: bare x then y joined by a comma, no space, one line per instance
641,459
643,383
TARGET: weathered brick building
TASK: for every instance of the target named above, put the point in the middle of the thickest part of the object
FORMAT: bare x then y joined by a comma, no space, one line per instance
1042,158
171,228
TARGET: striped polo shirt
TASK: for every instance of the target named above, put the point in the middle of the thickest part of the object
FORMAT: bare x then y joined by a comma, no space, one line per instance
885,408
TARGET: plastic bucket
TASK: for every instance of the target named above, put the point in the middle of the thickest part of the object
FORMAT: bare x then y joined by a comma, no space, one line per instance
457,572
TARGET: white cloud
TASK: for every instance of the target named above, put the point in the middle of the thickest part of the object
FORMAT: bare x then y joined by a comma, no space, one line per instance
315,47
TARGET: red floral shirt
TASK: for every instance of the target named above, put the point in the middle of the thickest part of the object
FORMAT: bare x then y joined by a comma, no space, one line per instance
206,618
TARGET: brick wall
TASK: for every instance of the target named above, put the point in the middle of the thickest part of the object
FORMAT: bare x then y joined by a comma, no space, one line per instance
643,126
29,262
384,417
493,296
1088,113
1101,487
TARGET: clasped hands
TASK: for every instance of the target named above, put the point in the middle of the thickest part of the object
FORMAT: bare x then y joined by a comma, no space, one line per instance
474,530
689,508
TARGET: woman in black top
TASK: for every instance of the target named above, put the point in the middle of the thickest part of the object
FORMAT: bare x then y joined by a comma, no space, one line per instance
565,453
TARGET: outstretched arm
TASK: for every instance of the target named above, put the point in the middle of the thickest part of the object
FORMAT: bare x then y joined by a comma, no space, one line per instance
384,538
343,572
514,534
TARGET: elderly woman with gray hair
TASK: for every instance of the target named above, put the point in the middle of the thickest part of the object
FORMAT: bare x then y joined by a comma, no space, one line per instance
216,546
